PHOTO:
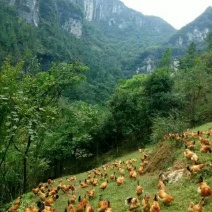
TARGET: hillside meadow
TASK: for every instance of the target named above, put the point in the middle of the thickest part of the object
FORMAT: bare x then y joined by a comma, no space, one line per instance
165,157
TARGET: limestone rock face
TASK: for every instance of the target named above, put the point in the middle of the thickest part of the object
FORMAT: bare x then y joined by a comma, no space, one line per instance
73,26
71,15
28,9
197,35
102,10
196,31
89,9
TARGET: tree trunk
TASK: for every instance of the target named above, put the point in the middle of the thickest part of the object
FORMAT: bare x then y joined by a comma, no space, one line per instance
24,174
25,165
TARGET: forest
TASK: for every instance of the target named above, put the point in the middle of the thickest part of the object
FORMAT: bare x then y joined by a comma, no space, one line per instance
47,134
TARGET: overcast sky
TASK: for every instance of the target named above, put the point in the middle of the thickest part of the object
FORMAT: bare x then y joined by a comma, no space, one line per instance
176,12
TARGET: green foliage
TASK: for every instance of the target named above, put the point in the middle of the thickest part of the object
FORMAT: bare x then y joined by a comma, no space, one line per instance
158,90
102,47
28,106
209,40
74,137
174,123
166,58
193,86
188,61
138,100
17,37
128,108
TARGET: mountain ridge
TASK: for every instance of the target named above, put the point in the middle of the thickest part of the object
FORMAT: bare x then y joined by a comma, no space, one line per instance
104,35
196,32
114,41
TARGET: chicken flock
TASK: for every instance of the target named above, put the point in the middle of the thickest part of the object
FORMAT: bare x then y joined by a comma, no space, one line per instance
79,193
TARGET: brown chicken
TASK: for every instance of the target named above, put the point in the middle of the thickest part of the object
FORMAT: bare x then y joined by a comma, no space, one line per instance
204,189
195,168
90,193
145,203
81,204
188,153
94,181
83,184
161,184
155,207
109,208
47,209
65,188
15,205
89,208
35,190
144,160
139,189
205,141
205,148
140,169
104,185
42,195
191,155
196,208
43,187
70,208
133,174
121,171
72,199
31,208
190,144
120,180
72,178
18,201
53,191
164,197
14,208
50,200
112,176
50,181
102,204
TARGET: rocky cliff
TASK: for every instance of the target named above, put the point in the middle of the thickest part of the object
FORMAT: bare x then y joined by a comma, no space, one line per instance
195,31
72,13
28,9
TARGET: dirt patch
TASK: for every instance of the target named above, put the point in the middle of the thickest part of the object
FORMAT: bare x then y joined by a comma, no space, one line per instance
162,157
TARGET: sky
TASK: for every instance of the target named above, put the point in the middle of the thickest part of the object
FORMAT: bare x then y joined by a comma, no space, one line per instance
178,13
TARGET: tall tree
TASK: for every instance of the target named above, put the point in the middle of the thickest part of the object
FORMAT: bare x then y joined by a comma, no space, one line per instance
28,102
188,61
128,108
209,40
193,85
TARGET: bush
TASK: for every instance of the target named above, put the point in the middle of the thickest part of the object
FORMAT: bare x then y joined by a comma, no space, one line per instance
174,123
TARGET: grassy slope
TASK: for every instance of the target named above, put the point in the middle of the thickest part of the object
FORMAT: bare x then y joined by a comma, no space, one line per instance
168,154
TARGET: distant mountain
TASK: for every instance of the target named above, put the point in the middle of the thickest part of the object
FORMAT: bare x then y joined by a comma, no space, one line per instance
104,35
196,32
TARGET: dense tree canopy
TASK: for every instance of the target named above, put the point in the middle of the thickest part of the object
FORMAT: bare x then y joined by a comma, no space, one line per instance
29,109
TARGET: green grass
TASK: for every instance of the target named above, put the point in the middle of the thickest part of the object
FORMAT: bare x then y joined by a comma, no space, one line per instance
161,158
